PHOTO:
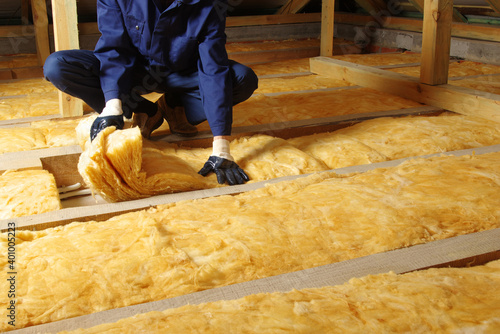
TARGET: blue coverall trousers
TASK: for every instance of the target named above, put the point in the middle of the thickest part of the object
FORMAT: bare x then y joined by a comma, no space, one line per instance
76,72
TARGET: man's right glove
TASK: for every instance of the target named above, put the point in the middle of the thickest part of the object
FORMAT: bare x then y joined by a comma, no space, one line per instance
226,170
102,122
111,115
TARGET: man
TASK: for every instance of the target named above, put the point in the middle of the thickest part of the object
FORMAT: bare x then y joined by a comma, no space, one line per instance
175,47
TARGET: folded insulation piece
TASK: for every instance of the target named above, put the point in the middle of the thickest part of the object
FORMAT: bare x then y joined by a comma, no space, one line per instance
29,192
193,245
121,165
451,300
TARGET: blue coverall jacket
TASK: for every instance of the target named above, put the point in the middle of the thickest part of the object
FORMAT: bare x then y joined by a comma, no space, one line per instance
189,34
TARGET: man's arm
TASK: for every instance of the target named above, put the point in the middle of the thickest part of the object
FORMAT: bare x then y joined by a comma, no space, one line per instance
216,90
117,57
216,86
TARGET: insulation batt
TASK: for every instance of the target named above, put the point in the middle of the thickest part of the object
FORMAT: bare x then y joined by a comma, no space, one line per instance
42,134
24,193
121,165
188,246
451,300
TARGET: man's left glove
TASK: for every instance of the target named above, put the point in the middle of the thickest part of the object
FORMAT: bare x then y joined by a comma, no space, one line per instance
111,115
226,170
222,164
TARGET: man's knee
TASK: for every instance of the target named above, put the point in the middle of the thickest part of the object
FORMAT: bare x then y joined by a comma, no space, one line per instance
245,82
52,68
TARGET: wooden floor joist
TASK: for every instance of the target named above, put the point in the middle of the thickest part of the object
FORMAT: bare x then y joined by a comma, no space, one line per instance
458,99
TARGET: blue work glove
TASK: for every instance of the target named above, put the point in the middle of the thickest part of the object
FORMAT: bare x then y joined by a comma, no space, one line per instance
226,170
102,122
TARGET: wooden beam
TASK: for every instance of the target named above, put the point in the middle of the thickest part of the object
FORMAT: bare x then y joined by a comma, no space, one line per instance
327,27
25,11
463,30
436,41
293,6
472,31
457,16
495,5
66,38
458,99
41,24
373,7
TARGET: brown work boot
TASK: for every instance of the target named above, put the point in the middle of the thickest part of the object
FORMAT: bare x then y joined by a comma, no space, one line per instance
176,118
148,124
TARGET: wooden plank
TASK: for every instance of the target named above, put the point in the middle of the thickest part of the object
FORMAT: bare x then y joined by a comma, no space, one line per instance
373,7
495,5
266,56
25,12
293,6
462,251
436,42
66,38
327,27
457,16
41,24
459,99
21,73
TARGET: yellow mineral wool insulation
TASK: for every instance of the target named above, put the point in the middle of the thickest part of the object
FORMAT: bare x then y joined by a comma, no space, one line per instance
456,69
289,107
391,138
490,84
24,193
41,134
447,300
21,139
121,165
36,104
275,45
188,246
26,86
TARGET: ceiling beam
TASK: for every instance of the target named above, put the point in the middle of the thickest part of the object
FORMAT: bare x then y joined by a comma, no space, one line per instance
457,16
495,5
293,6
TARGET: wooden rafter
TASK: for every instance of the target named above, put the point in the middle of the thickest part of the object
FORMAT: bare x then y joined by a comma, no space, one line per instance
495,5
293,6
373,7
